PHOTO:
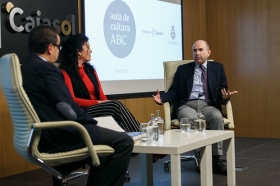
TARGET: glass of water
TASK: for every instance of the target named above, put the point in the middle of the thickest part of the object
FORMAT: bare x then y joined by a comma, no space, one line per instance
185,124
146,133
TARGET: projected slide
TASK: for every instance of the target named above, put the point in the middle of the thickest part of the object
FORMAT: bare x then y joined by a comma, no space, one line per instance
131,38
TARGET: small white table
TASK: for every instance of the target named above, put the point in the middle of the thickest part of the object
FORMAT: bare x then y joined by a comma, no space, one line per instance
175,143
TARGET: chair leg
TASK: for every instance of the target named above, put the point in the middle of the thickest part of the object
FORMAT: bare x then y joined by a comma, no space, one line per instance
127,176
64,183
184,159
74,175
197,158
166,165
84,173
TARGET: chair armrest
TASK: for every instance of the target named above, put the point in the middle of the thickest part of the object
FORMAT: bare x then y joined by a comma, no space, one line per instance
167,115
79,127
230,115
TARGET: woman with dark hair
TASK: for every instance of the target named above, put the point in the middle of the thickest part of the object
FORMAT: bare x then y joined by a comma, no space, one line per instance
85,87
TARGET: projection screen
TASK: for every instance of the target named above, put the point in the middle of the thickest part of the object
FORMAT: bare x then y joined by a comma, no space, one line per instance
130,39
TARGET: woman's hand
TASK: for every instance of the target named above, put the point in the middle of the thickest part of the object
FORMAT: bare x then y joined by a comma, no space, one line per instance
103,101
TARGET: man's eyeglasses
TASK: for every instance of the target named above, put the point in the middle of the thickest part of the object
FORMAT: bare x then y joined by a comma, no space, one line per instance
58,46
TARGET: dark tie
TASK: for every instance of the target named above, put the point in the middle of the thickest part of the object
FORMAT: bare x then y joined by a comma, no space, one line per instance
204,81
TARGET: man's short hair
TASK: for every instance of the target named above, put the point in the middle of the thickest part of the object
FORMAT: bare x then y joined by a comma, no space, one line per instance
40,37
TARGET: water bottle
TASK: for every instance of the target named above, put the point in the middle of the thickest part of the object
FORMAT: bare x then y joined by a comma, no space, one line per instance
161,124
199,114
154,124
199,121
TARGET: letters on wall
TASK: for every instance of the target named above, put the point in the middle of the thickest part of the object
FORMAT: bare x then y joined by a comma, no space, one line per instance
19,17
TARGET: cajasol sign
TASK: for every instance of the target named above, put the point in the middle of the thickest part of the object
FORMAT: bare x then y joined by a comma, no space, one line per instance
26,24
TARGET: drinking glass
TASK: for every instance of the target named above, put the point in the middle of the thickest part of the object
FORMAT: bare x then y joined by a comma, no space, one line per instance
146,133
185,124
200,125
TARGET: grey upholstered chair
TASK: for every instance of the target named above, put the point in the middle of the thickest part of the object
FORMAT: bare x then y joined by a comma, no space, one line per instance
170,68
27,126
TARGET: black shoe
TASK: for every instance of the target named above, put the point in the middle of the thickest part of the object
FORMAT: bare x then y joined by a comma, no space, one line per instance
219,168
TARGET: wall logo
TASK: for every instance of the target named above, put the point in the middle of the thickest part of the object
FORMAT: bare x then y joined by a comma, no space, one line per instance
173,34
28,23
119,29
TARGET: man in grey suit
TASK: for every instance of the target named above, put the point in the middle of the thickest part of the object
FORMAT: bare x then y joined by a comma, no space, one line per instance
200,84
45,87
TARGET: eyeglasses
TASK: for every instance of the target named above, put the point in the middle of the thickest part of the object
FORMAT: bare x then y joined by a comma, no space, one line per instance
58,46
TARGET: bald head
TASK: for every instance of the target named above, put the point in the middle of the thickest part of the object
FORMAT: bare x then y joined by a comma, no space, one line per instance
201,51
201,41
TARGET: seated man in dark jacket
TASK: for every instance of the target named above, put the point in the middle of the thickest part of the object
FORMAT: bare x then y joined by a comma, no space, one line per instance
202,85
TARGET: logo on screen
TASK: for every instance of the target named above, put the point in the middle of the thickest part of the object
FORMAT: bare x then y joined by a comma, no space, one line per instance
173,34
119,29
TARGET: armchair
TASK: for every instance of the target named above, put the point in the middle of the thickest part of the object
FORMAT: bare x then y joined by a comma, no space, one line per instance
27,126
170,68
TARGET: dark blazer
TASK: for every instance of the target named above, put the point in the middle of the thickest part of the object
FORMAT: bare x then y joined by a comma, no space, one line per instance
79,87
50,97
181,88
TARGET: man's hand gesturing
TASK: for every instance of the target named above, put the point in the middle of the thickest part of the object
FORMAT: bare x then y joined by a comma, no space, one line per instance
157,98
